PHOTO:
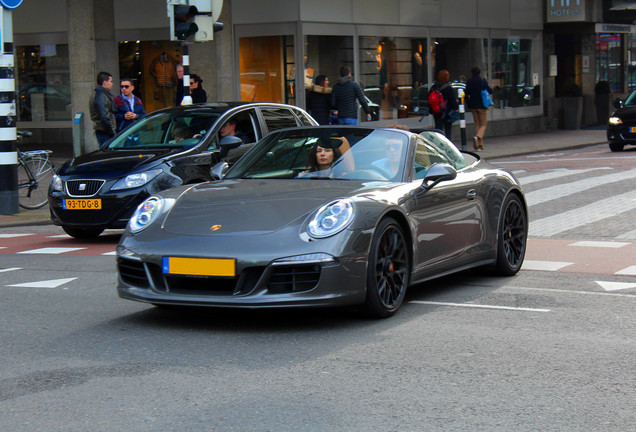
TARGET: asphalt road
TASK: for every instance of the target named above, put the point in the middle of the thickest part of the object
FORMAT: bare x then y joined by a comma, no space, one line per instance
544,350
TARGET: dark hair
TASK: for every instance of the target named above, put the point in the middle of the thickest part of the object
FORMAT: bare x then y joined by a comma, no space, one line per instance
196,78
320,80
312,162
344,71
103,77
130,80
475,70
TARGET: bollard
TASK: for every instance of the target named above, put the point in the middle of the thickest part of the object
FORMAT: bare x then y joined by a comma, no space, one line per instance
78,133
462,121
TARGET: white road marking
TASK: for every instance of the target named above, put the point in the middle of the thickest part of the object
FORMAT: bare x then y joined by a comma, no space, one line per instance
3,247
51,250
629,235
469,305
544,265
562,190
53,283
6,235
10,269
629,271
563,291
113,253
615,286
587,214
550,175
59,236
600,244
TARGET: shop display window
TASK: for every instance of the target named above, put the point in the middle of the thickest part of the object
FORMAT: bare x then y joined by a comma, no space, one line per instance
43,82
609,61
513,80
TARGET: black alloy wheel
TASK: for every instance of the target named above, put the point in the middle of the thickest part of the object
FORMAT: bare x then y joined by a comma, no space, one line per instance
387,271
513,236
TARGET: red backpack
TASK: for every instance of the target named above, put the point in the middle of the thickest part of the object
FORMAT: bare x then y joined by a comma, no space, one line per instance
436,101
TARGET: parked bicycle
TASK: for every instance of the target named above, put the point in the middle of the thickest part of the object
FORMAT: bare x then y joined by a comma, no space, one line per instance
35,171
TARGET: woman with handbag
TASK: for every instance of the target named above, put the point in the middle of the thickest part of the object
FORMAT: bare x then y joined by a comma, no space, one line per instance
478,93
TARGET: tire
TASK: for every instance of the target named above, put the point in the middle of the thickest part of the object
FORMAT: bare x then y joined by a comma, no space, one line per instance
616,147
388,270
512,236
83,233
34,195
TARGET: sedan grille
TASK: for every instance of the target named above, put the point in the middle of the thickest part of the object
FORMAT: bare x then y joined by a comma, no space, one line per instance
293,278
83,188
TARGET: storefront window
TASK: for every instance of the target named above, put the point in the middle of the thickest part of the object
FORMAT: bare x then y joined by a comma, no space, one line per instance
43,83
513,80
267,69
391,70
609,61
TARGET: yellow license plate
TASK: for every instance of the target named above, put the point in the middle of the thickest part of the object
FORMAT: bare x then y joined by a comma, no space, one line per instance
199,266
633,129
82,204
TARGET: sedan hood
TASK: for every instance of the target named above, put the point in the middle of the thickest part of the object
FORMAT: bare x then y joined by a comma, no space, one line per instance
250,207
627,113
111,164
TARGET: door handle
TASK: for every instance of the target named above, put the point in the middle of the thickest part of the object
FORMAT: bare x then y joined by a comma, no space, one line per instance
471,195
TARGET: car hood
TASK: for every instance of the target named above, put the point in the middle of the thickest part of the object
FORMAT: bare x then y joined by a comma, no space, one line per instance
112,163
251,207
626,113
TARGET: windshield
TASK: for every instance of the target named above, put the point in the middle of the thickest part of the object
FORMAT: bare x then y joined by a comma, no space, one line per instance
631,100
327,153
174,130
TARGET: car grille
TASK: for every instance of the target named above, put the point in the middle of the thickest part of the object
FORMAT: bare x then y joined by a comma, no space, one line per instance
83,188
282,279
293,278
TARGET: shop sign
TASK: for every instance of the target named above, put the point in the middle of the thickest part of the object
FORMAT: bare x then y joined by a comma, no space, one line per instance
565,10
614,28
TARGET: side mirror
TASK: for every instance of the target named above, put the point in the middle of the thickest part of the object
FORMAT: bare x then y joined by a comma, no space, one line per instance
438,172
617,103
219,170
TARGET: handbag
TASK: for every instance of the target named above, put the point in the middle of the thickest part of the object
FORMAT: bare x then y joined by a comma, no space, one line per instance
486,99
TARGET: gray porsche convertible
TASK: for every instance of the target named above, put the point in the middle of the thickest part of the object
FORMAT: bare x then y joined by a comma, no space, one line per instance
325,216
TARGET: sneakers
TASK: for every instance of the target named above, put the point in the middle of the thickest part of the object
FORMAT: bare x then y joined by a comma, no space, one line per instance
476,143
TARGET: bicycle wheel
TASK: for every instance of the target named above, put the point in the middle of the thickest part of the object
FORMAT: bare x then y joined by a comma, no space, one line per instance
34,178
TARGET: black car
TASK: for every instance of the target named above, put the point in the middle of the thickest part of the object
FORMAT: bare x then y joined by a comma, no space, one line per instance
621,130
168,148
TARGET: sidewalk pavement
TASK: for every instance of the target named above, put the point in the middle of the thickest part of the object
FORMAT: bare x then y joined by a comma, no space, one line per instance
495,147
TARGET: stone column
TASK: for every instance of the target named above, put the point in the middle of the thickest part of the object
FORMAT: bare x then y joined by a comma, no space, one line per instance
92,48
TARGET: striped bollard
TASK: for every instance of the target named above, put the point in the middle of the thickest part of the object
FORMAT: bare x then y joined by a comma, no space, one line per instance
187,99
462,121
8,145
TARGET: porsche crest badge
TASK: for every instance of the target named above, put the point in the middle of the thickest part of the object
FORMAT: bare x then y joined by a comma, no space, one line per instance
216,227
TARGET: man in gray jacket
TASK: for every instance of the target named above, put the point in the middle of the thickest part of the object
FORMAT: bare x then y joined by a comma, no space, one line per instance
102,108
343,98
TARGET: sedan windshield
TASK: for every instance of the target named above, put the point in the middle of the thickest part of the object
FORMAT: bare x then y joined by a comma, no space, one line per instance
174,130
327,153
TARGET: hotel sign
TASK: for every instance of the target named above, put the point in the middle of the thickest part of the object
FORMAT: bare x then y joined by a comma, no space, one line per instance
565,11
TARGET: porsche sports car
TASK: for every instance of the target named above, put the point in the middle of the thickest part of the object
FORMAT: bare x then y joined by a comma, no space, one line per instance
390,209
167,148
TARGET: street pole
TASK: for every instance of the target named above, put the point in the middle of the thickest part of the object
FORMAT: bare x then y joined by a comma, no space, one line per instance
8,144
462,120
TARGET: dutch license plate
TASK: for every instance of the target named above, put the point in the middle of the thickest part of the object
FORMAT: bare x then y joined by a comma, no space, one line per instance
633,129
82,204
199,266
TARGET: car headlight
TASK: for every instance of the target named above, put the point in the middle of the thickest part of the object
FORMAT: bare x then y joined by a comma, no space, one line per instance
145,214
56,183
331,219
136,180
615,121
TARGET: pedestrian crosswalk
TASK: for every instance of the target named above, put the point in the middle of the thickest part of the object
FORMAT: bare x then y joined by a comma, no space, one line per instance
33,243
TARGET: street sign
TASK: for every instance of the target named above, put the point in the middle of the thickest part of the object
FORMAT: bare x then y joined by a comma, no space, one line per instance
10,4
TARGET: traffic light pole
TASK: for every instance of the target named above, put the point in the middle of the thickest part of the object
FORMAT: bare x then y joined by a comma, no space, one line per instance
8,144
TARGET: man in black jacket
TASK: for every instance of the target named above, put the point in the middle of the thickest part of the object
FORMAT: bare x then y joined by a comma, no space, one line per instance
343,98
102,108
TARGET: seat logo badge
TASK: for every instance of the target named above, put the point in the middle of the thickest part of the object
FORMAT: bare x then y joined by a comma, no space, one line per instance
216,227
82,186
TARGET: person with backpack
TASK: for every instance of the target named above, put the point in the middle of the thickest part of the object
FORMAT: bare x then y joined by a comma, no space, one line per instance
442,102
474,88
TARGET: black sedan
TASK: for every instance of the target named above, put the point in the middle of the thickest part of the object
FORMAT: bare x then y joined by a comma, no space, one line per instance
168,148
327,216
621,130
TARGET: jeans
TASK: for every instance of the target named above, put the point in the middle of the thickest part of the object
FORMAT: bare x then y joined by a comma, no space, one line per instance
102,138
347,121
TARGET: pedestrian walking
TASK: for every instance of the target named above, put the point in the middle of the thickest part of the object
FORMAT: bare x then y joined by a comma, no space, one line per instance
442,116
344,96
319,99
129,107
474,87
196,89
102,108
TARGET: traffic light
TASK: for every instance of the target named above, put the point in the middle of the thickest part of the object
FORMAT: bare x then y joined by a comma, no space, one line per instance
184,25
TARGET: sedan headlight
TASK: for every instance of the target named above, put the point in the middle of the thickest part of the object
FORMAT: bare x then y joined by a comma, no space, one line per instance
136,180
331,219
56,183
615,121
145,214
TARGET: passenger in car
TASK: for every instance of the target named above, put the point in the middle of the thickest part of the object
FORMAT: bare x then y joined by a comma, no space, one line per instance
390,165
